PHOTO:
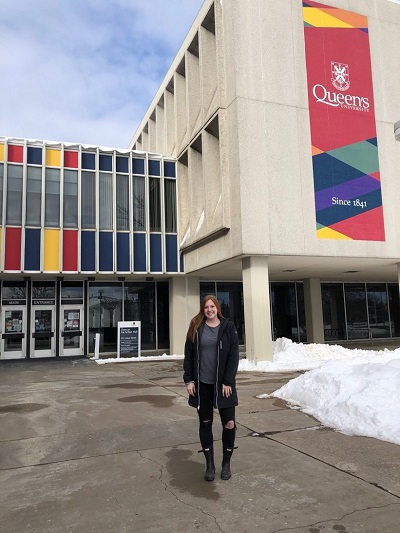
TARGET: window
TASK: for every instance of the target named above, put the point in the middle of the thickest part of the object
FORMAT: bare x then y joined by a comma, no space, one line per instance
70,199
356,311
88,200
52,198
333,311
14,195
138,202
122,203
378,310
34,196
106,201
154,204
170,206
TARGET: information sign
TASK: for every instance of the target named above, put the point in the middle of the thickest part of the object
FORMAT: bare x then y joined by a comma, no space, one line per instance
128,339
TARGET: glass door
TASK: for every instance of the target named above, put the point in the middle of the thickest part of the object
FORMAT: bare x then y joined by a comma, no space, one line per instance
13,336
43,344
71,342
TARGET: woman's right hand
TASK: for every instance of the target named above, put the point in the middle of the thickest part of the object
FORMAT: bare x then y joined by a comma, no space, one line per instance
191,388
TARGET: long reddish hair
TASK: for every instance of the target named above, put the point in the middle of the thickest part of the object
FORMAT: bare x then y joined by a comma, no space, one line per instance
199,318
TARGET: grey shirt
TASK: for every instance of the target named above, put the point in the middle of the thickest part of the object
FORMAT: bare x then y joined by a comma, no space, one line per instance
209,352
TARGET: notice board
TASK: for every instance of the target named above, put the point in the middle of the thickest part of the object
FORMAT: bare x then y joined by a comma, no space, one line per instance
128,339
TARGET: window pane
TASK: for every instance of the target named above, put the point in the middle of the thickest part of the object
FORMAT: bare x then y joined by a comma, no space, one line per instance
163,314
70,199
230,296
14,195
88,200
33,196
105,311
301,312
52,198
356,311
394,308
333,311
106,201
138,202
140,305
170,206
378,313
154,204
284,313
122,203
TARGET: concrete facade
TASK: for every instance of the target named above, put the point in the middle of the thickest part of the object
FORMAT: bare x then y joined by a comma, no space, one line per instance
233,109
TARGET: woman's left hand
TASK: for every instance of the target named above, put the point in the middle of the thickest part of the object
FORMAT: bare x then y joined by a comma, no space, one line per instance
226,391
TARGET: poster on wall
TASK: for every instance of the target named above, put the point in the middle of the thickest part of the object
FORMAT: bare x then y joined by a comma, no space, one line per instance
348,200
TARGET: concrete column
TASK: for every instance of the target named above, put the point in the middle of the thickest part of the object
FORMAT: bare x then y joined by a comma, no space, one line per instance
313,310
184,303
257,316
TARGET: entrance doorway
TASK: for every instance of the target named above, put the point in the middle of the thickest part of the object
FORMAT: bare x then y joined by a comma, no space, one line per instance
13,338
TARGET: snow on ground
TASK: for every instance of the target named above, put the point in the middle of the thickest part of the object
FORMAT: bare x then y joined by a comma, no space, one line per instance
354,391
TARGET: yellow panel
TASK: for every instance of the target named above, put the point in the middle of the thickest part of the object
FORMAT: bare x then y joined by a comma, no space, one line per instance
53,157
319,19
1,152
51,250
328,233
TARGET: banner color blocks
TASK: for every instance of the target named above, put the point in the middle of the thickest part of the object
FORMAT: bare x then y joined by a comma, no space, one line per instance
348,200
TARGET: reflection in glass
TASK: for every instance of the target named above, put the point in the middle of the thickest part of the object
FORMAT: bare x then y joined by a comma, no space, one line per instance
43,325
230,297
333,311
13,324
356,311
378,311
284,311
105,311
139,304
394,308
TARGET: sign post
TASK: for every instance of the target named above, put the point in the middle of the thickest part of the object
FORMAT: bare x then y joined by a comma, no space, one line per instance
128,339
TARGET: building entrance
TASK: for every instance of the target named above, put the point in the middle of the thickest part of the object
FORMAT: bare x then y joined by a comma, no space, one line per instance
71,337
13,338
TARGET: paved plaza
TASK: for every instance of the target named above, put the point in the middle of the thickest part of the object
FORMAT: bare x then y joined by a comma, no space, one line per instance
87,448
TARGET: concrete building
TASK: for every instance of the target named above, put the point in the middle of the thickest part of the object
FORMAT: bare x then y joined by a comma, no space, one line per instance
281,116
277,189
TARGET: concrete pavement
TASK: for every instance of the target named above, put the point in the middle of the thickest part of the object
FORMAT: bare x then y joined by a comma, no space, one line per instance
88,448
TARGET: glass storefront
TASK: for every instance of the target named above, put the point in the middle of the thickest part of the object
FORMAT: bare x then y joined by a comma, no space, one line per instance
360,310
144,301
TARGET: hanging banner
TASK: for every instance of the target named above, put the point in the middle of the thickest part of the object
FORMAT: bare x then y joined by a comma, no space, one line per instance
347,186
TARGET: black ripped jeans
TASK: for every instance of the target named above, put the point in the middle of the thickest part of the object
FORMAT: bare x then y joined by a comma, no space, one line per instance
206,416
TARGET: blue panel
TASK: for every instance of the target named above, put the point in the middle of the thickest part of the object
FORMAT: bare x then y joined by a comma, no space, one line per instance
122,164
182,263
154,168
171,244
139,248
137,166
34,156
105,162
88,263
155,253
123,252
88,161
106,263
169,169
32,249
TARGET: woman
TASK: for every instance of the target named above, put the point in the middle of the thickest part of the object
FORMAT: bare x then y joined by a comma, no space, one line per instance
210,367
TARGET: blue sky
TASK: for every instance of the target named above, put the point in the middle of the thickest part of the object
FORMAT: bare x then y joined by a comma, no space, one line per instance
85,70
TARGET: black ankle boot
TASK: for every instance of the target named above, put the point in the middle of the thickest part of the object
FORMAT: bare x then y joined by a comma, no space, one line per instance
226,464
209,474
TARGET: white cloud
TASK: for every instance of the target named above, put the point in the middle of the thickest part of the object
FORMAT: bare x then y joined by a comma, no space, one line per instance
85,71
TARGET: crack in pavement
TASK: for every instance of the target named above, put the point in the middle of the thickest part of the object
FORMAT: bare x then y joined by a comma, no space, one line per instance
168,489
346,515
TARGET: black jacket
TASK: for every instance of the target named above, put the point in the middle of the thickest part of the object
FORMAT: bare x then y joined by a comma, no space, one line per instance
227,364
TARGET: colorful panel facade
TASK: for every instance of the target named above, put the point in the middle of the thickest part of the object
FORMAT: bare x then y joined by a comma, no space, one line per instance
75,209
347,187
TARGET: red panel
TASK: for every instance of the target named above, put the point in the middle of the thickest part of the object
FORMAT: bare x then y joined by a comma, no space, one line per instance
15,154
70,251
369,223
12,254
71,159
